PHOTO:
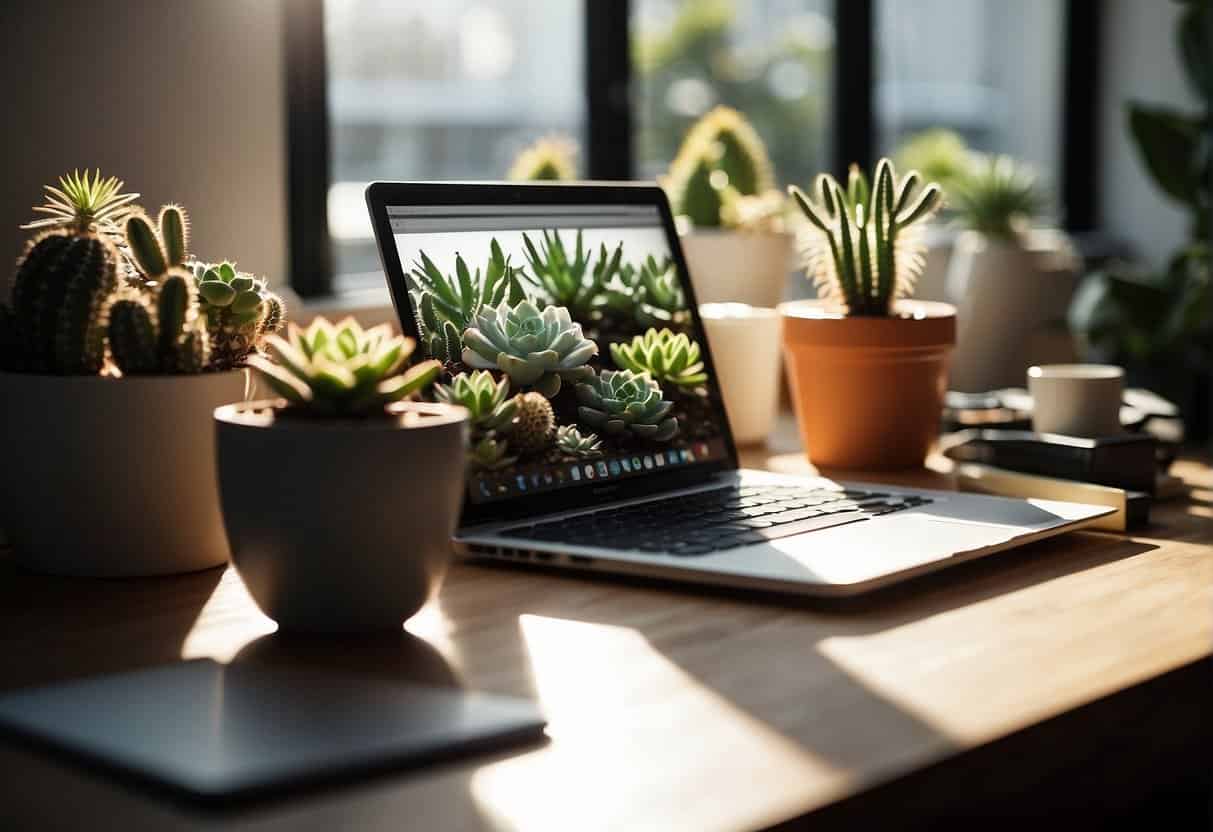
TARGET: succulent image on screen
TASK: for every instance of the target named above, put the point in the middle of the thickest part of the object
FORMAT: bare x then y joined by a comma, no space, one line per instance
571,347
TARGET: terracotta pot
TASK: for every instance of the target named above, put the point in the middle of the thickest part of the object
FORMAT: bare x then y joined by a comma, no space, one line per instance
868,392
341,525
106,477
737,266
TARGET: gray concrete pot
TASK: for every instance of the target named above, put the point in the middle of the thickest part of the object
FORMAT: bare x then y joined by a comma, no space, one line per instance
106,477
341,525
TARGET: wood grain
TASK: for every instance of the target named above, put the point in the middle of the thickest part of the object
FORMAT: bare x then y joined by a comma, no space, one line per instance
675,709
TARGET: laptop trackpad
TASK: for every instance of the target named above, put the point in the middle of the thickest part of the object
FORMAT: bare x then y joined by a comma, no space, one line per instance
863,551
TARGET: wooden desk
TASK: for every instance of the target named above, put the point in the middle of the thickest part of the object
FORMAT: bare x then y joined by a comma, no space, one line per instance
1068,676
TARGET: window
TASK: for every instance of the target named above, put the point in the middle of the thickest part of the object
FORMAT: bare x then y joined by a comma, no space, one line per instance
440,90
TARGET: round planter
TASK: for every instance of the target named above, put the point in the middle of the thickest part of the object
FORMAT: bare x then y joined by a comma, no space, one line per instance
341,525
868,392
738,266
106,477
1012,298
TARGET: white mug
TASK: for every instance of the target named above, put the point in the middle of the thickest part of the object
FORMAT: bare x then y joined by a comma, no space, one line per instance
744,341
1076,399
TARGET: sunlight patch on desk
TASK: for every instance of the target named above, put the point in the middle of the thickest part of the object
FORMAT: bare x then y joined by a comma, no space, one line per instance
434,626
226,623
636,726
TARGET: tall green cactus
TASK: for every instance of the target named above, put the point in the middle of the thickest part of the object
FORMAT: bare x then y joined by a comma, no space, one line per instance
721,150
862,253
157,248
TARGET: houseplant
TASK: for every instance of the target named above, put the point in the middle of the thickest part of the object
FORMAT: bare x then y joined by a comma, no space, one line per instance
340,498
722,189
867,367
1011,279
549,159
108,386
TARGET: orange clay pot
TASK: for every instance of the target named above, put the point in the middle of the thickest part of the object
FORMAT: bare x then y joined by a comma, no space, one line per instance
868,392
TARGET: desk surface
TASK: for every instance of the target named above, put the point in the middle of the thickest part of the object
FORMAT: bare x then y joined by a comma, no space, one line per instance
670,709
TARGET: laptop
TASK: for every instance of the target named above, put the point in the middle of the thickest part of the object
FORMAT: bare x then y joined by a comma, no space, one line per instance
650,485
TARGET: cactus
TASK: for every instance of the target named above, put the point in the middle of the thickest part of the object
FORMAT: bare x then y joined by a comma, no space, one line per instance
862,248
720,150
569,281
445,307
155,249
573,443
159,331
664,356
341,369
998,196
535,349
66,278
621,401
239,309
548,159
534,423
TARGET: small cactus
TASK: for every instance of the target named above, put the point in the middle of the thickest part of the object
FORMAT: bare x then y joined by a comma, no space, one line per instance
240,310
573,443
548,159
154,249
861,246
534,423
162,333
721,150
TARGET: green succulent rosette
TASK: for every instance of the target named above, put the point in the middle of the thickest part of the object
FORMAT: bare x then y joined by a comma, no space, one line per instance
535,349
619,401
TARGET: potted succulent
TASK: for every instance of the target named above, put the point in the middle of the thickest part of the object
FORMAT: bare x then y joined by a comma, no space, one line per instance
340,498
112,362
1011,281
867,367
722,189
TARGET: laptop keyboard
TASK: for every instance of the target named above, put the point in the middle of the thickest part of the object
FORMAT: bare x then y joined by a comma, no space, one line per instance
711,521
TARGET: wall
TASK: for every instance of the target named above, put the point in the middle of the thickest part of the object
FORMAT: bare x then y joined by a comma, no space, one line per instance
180,98
1139,62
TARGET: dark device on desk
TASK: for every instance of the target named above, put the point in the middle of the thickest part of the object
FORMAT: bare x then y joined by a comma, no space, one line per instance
210,732
670,500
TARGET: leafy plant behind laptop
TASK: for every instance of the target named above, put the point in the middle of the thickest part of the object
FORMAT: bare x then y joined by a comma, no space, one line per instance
343,370
864,248
549,159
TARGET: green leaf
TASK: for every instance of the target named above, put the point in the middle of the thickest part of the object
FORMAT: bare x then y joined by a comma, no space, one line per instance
1194,36
216,292
227,271
1168,143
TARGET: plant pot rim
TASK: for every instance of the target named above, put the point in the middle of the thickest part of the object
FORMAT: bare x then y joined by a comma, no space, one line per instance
265,414
918,323
734,232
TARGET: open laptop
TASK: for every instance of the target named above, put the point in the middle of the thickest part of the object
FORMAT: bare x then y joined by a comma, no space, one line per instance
651,502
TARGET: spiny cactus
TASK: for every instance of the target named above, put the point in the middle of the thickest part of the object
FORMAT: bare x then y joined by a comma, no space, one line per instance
66,278
861,248
445,307
667,357
240,310
341,369
573,443
155,249
997,196
535,349
564,280
721,150
621,401
534,423
159,331
548,159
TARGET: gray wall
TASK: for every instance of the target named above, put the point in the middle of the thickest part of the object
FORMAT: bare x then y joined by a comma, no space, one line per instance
1139,63
180,98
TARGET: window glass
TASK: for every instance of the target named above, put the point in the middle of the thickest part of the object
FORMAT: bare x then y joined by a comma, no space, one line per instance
430,90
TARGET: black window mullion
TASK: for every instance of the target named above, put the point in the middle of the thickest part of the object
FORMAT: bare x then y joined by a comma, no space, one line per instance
1080,116
608,70
854,138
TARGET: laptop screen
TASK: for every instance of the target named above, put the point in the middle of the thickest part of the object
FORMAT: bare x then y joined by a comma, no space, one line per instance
580,306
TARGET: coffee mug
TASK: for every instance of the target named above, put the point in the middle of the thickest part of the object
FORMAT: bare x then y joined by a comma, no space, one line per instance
1076,399
744,341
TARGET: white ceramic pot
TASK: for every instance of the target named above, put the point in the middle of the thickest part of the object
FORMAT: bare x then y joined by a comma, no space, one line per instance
933,282
746,354
1012,297
738,266
108,477
341,525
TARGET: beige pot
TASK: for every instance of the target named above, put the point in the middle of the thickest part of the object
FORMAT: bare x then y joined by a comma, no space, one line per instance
868,392
109,477
1012,297
341,525
738,266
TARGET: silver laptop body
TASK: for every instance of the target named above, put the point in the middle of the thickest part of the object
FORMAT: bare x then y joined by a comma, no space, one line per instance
826,538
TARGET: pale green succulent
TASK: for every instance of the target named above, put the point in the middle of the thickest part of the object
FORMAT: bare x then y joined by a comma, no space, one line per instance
491,452
446,306
486,399
341,369
664,355
618,401
535,349
572,442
